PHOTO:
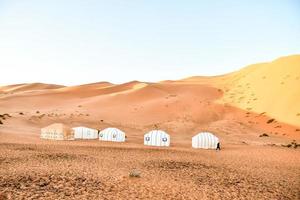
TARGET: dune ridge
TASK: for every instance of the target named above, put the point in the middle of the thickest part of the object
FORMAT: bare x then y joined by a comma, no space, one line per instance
240,101
272,88
253,112
28,87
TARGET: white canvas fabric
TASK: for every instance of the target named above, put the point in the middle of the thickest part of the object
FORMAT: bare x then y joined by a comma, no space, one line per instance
112,134
85,133
205,140
157,138
57,131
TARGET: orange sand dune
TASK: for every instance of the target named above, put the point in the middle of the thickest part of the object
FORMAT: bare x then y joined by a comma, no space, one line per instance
271,88
28,87
240,102
238,108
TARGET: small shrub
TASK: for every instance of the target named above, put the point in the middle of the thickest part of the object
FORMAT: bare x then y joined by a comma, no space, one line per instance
1,122
4,116
288,145
134,173
270,121
41,116
264,135
293,144
21,113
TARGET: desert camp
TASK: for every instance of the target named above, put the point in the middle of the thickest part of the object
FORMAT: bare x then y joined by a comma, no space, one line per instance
149,100
85,133
112,134
57,131
157,138
184,110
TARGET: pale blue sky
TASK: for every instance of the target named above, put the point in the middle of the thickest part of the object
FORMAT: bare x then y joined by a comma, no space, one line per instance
73,42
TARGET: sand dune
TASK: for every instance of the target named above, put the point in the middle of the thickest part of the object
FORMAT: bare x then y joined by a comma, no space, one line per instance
251,97
270,88
28,87
254,112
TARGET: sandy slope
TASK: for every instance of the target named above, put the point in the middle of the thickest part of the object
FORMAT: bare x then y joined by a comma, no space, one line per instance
228,103
238,108
27,87
271,88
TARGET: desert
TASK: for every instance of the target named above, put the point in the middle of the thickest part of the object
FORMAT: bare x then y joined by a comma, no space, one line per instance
255,112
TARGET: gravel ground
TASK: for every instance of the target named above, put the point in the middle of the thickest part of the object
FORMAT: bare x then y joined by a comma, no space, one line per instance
79,171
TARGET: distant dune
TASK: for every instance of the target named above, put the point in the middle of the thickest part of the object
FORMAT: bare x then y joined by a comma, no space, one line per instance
240,106
255,113
28,87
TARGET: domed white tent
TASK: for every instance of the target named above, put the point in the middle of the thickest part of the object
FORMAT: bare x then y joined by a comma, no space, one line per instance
112,134
205,140
57,131
157,138
85,133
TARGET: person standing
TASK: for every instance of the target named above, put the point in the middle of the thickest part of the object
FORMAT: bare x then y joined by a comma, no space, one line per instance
218,146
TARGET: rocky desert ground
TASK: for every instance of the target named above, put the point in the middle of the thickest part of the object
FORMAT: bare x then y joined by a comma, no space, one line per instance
255,112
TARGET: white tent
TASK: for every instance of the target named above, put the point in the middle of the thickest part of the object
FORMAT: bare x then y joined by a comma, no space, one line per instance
205,140
157,138
112,134
85,133
57,131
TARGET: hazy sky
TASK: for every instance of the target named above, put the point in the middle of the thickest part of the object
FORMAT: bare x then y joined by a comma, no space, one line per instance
73,42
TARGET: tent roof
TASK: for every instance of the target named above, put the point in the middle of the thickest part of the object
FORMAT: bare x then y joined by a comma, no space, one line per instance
57,126
83,127
111,129
157,131
205,133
